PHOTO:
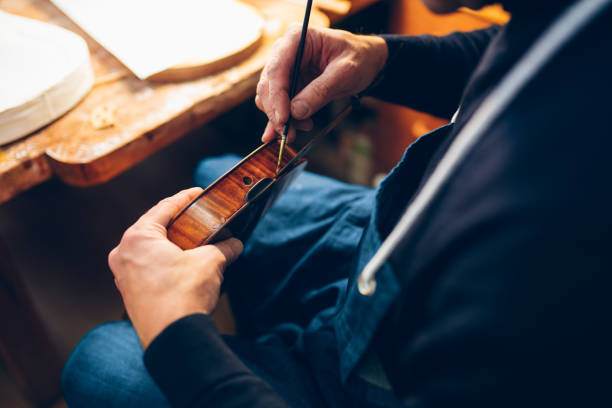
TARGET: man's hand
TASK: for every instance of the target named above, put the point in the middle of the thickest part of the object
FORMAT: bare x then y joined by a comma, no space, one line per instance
335,64
161,283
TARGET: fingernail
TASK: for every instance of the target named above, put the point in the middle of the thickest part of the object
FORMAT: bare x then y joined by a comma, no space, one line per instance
277,116
299,110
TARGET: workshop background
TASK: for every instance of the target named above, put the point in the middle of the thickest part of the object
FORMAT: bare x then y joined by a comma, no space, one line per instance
55,238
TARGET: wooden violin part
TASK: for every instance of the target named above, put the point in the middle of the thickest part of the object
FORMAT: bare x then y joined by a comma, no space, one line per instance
171,41
31,97
232,205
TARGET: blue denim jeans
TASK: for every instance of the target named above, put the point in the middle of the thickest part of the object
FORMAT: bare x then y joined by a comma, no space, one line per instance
304,325
276,288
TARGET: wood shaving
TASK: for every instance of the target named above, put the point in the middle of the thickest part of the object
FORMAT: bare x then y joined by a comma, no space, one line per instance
103,117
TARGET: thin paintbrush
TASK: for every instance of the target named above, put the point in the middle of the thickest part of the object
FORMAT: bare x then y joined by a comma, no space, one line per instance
294,81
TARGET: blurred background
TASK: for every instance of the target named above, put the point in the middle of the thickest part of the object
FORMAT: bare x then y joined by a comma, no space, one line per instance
56,231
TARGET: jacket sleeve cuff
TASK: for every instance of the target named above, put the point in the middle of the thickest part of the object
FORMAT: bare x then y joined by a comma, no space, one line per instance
189,357
397,67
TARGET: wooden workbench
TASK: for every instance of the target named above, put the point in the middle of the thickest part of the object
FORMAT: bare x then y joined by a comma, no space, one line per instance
147,117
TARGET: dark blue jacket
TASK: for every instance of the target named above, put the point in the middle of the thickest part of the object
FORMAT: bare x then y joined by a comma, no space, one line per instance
506,281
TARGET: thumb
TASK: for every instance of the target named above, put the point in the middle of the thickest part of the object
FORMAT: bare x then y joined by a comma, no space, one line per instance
230,248
316,94
169,207
224,252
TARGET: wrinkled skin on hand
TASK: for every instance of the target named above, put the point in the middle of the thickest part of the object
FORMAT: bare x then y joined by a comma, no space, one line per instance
335,64
158,281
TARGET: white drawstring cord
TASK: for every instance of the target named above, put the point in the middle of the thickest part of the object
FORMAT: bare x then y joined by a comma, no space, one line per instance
554,38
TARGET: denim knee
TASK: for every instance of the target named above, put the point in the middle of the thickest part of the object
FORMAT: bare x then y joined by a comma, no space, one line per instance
211,168
106,369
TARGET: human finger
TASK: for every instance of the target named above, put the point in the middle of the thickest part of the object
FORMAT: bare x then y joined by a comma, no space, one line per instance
291,133
317,93
277,76
262,99
167,208
230,248
112,260
223,253
270,133
258,103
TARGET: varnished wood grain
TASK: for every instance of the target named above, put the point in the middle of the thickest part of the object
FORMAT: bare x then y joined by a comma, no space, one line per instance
148,116
225,198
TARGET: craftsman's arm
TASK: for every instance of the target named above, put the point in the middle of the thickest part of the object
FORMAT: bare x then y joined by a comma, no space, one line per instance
507,301
191,364
168,294
429,73
423,72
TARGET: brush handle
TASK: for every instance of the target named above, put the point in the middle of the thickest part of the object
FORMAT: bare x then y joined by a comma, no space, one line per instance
298,62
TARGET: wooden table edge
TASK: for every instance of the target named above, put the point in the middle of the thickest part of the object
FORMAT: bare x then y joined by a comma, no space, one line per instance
106,167
44,165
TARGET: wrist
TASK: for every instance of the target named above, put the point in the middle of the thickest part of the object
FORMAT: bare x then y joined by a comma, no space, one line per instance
379,50
377,54
159,318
